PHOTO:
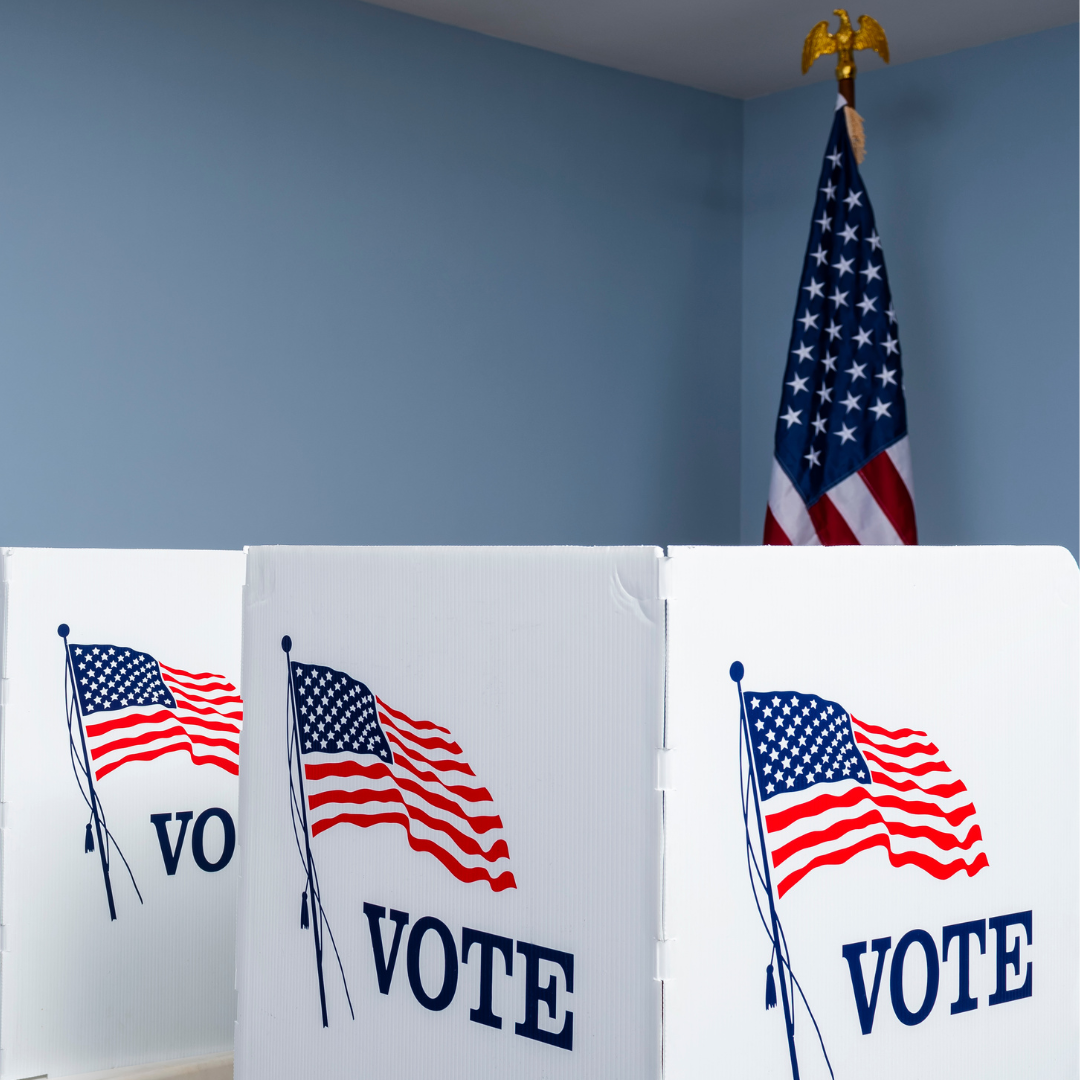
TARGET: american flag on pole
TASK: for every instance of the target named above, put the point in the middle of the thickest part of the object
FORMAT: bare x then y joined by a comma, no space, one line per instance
368,764
135,708
831,786
842,465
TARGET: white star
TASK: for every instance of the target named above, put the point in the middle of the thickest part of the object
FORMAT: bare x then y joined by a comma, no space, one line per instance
856,371
887,377
820,255
803,352
839,298
770,788
815,288
824,221
825,393
835,157
863,338
867,303
754,702
853,199
792,417
891,314
798,384
833,330
775,701
846,434
844,266
830,190
848,232
813,457
873,241
891,345
819,425
881,409
829,361
808,320
872,272
851,402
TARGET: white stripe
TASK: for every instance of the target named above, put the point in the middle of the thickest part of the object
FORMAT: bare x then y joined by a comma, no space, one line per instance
788,508
900,455
858,507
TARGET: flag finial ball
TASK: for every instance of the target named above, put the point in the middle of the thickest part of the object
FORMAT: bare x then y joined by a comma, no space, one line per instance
736,671
63,629
286,643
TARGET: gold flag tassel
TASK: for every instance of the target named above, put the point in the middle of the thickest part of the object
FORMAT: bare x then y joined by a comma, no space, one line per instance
845,42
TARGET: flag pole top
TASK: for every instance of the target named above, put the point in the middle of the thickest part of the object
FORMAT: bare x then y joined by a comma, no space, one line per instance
845,42
63,630
286,644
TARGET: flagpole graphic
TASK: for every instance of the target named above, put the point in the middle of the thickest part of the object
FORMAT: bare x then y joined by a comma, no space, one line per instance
317,921
97,825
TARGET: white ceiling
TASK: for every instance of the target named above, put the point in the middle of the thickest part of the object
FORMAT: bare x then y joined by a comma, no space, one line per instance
742,48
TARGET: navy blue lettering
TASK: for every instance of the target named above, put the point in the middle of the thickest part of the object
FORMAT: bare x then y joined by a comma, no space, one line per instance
853,956
488,944
229,846
170,854
1007,958
896,977
384,970
450,963
964,1001
535,993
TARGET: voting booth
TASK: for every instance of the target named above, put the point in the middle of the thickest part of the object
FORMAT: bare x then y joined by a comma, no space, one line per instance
602,812
119,788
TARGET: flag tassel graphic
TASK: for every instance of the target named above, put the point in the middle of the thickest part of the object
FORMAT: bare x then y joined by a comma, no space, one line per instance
770,989
88,846
304,912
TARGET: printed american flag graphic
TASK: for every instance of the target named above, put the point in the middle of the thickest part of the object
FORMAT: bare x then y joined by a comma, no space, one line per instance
136,708
831,786
842,463
368,764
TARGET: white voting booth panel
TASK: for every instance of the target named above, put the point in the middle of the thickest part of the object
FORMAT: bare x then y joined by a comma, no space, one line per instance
154,640
930,911
455,801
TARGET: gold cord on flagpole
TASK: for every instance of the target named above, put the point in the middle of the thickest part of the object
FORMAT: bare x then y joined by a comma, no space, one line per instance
845,42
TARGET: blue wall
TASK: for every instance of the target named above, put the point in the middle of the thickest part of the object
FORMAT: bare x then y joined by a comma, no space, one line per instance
322,272
972,170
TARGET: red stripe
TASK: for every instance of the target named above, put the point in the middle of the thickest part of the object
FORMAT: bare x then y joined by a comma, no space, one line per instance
891,493
905,858
149,755
902,733
227,687
940,791
467,844
773,533
907,750
186,695
823,803
434,743
420,725
189,674
102,749
911,770
136,719
944,840
463,873
480,824
378,769
442,765
471,794
829,523
180,700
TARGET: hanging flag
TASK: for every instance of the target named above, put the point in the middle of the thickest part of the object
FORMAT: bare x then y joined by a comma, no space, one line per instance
368,764
842,465
135,708
831,786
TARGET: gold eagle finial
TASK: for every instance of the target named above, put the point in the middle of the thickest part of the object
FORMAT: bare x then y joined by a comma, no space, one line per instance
846,40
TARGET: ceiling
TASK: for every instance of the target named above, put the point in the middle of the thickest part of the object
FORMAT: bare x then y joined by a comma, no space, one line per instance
742,48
